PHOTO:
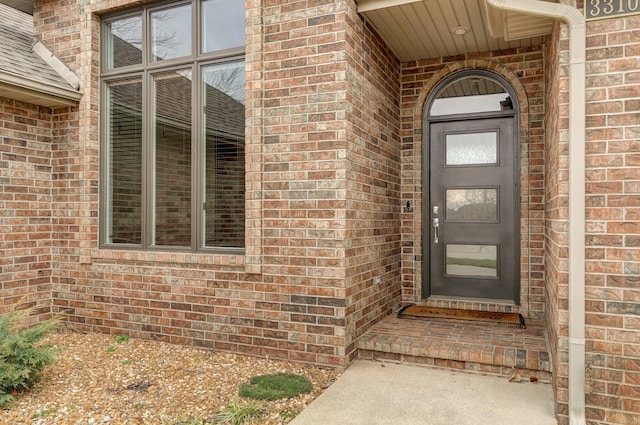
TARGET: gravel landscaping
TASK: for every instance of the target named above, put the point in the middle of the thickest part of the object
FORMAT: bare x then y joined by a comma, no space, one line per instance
106,379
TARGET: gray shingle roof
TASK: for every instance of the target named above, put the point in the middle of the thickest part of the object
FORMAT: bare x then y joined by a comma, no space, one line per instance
16,54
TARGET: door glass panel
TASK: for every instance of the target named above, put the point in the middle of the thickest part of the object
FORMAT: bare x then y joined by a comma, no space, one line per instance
471,148
171,32
472,204
472,260
471,94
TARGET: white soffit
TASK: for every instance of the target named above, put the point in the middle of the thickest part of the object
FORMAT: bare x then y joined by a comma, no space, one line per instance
23,5
424,29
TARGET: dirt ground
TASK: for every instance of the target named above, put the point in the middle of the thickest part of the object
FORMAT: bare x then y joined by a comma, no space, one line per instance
103,379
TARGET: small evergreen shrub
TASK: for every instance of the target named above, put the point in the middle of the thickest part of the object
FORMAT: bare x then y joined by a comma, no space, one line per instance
275,387
21,360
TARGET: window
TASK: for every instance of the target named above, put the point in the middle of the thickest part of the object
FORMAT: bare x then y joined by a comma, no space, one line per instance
471,94
172,159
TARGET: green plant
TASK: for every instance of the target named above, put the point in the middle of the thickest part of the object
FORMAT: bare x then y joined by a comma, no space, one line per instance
275,387
111,349
21,360
43,413
122,338
288,414
238,413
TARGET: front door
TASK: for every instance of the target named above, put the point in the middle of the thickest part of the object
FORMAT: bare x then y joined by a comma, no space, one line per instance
473,209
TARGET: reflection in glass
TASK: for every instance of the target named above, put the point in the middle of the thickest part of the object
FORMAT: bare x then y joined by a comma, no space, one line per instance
222,25
471,148
472,260
472,204
469,95
124,127
172,130
223,97
171,32
124,42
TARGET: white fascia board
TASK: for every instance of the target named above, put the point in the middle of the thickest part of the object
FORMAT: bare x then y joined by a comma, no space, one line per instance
37,92
370,5
57,65
495,20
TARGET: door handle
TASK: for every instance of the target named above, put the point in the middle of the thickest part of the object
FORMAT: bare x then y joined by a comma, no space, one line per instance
436,224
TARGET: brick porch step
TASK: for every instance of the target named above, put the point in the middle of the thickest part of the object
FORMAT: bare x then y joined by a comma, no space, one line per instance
480,347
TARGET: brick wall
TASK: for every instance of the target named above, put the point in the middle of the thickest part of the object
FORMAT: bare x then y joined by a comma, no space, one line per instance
293,308
373,178
555,217
25,206
613,221
303,288
523,68
303,183
613,262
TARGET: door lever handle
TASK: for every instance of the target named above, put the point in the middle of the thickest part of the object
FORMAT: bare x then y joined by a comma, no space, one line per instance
436,224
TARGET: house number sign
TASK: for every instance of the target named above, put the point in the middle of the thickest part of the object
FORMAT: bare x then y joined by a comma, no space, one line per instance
600,9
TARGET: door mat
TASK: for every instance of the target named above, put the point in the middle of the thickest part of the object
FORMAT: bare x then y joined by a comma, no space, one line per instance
419,311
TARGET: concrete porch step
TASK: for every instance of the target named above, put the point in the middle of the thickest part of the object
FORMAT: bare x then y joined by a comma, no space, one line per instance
480,347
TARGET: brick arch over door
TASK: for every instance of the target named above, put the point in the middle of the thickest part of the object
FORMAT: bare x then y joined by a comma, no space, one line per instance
532,206
483,64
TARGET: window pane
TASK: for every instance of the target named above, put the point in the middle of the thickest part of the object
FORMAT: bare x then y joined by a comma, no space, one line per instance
472,204
472,260
222,24
124,42
472,148
172,124
171,32
124,132
469,95
223,103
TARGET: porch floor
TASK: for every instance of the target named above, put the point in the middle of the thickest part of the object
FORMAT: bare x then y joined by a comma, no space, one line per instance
481,347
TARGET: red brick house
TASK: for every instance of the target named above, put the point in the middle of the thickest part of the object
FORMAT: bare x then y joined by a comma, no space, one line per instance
280,177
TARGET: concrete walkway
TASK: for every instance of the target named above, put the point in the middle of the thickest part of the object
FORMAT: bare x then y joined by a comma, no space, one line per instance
374,393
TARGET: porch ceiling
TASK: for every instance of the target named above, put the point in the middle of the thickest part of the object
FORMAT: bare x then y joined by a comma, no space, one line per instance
426,29
23,5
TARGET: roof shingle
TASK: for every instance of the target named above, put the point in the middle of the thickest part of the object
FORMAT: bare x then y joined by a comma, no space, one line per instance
16,54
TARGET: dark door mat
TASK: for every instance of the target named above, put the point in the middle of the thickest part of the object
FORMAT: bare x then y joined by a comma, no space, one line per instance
419,311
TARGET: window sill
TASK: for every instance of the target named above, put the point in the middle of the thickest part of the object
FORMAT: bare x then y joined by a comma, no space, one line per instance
178,258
